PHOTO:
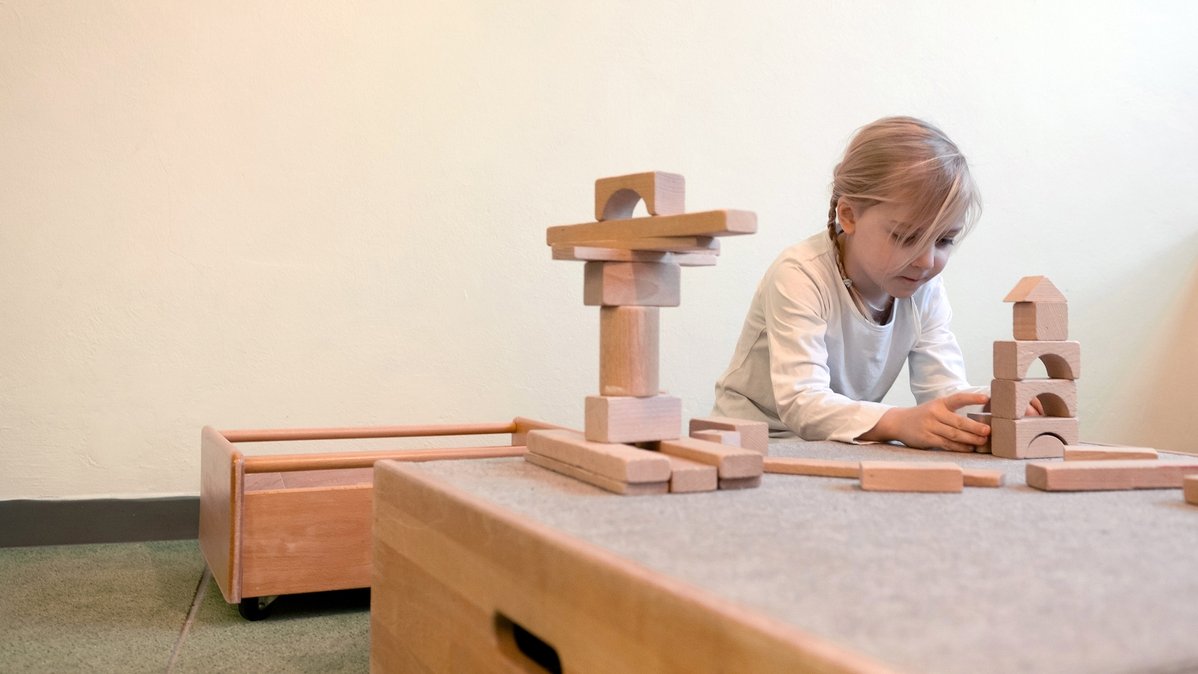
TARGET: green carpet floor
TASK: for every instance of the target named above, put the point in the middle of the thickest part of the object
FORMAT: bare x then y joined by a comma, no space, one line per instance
129,608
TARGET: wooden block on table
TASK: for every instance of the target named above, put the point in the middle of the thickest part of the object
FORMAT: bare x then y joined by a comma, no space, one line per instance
983,417
1035,289
691,476
629,351
1032,437
731,438
663,193
601,481
1010,398
1012,358
1107,453
913,476
703,223
1109,475
975,477
740,482
627,419
754,435
1190,487
1041,321
706,258
813,467
644,284
732,462
613,461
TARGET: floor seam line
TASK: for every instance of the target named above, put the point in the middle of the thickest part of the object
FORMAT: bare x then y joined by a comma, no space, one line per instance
201,590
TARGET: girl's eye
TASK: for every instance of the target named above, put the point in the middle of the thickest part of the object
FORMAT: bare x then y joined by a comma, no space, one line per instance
945,243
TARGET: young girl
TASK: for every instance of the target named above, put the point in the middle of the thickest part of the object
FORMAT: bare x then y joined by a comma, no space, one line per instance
837,315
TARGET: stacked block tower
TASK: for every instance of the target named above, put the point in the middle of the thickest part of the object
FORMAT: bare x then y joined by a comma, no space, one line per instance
1041,330
632,442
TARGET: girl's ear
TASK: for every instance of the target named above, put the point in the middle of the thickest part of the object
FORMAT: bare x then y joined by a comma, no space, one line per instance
846,215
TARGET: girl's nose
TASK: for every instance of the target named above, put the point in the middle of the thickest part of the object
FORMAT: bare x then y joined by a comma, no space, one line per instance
925,260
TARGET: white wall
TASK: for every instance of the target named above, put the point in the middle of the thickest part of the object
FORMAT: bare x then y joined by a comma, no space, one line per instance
304,214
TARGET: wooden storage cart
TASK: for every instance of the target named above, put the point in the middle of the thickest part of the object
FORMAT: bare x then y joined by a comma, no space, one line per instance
294,523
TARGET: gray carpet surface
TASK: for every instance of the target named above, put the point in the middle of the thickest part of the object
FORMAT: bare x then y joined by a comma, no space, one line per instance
989,580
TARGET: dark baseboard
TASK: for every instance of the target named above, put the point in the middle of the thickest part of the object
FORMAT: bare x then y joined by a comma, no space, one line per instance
37,522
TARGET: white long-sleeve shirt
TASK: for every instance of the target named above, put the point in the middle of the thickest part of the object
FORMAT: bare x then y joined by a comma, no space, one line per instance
809,362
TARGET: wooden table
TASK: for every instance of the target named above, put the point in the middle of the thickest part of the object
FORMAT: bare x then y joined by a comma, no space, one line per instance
499,566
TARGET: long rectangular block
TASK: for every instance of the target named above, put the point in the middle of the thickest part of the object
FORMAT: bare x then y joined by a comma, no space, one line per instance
691,476
703,223
640,284
976,477
613,461
813,467
629,351
1048,321
1010,398
913,476
1062,359
1032,437
731,462
1109,475
1105,453
595,479
754,435
706,258
627,419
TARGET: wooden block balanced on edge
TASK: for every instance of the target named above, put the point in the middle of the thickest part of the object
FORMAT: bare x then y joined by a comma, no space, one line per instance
629,351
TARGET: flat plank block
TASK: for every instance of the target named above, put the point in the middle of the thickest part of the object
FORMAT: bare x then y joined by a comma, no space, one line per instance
984,418
913,476
1009,398
1190,485
613,461
732,462
1109,475
629,352
754,435
740,482
703,223
595,479
1107,453
663,194
976,477
679,245
646,284
691,476
1041,321
1032,437
1035,289
595,254
626,419
813,467
1012,358
730,438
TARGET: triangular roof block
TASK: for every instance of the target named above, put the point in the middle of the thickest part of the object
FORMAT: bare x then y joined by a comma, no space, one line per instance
1035,289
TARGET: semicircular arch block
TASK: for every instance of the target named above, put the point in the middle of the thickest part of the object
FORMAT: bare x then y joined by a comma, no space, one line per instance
1009,399
1062,359
663,193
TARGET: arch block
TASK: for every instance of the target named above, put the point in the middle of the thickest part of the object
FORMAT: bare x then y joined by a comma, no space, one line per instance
1032,437
1009,398
663,194
1062,359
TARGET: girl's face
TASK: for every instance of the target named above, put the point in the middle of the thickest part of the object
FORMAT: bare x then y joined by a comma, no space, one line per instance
883,252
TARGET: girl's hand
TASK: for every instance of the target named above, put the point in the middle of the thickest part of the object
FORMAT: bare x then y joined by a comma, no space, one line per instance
934,424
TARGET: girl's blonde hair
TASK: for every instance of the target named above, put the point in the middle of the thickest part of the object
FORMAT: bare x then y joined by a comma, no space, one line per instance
907,160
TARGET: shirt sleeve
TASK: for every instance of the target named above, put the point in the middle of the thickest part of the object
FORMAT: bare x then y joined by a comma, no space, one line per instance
936,365
796,322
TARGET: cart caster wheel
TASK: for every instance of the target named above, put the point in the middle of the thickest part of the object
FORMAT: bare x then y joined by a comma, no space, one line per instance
255,608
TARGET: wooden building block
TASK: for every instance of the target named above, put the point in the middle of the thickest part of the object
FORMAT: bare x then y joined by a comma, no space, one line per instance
706,258
732,462
703,223
1107,453
754,435
642,284
1032,437
1041,321
975,477
663,193
1035,289
984,418
677,245
813,467
1009,398
740,482
1190,485
1109,475
1012,358
595,479
627,419
915,476
731,438
691,476
628,351
613,461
